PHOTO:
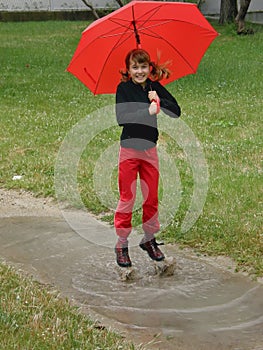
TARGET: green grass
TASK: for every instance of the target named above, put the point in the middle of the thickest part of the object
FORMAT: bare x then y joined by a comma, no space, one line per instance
40,103
222,104
32,317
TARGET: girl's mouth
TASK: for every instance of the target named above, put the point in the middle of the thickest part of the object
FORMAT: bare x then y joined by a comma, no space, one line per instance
140,76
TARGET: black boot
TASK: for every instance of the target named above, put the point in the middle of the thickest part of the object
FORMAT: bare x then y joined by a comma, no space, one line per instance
152,249
122,256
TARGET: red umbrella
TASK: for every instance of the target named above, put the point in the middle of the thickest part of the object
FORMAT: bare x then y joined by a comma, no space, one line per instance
173,31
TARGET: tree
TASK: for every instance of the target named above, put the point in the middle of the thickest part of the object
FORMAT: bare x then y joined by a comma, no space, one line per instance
120,3
229,14
199,3
240,18
228,11
93,10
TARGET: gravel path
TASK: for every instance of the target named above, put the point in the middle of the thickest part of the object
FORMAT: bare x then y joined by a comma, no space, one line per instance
22,203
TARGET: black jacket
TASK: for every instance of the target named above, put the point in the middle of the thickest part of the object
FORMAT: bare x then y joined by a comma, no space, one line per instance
132,103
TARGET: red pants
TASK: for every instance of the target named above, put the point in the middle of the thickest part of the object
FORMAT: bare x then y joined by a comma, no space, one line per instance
131,163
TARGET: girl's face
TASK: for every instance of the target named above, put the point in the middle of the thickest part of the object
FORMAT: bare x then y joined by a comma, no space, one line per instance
139,72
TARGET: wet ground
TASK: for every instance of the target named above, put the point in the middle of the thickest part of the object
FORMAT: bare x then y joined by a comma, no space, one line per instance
202,306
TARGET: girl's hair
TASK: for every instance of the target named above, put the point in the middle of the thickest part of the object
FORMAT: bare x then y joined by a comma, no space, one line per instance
158,71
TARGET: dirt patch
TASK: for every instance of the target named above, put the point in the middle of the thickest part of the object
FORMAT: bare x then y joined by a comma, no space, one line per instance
22,203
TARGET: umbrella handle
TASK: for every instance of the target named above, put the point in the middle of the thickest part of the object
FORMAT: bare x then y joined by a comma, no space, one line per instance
158,104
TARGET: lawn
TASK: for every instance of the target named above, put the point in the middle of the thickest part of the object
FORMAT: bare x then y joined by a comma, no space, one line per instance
221,106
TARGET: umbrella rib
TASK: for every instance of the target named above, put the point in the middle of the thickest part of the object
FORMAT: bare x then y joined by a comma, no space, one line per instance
174,48
153,11
142,27
129,28
119,42
131,25
108,35
121,22
173,20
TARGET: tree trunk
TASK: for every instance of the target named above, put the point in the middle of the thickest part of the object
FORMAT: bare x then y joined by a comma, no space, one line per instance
240,18
93,10
120,3
228,11
199,3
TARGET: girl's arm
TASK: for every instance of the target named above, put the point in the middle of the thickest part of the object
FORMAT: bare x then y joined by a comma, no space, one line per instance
168,103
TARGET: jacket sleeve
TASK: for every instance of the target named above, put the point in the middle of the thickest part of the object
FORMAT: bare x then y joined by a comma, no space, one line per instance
168,103
130,112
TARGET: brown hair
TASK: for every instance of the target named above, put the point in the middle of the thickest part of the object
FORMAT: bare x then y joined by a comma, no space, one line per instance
158,71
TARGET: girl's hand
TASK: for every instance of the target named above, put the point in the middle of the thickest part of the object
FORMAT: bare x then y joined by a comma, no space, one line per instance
155,102
152,95
153,108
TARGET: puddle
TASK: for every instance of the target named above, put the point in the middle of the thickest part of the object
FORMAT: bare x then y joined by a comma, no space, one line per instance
199,307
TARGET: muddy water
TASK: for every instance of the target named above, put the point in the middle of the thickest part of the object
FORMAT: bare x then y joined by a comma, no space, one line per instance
199,307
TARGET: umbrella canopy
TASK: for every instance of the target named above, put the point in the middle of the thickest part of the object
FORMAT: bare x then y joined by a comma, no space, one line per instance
173,31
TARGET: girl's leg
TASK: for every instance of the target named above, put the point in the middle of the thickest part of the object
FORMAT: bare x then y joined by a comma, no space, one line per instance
149,177
128,170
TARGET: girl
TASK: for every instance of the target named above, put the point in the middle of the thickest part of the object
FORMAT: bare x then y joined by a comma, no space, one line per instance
139,98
